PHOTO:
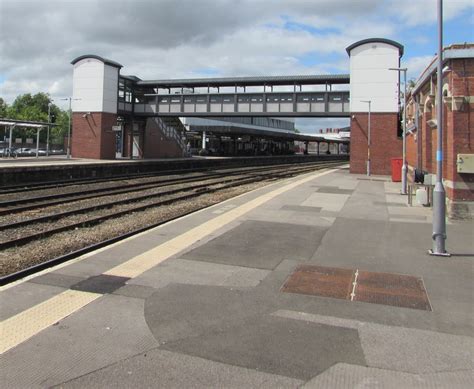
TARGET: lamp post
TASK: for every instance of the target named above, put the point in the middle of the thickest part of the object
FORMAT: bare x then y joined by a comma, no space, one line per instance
49,127
368,137
439,194
404,135
68,150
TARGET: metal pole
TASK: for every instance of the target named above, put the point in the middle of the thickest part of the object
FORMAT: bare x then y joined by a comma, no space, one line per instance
418,133
368,141
439,194
404,166
10,138
404,162
368,135
204,140
68,153
37,141
48,129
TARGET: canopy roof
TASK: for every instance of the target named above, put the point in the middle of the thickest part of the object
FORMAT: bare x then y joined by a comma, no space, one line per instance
24,123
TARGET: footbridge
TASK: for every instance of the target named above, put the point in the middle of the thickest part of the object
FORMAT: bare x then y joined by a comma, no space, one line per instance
274,96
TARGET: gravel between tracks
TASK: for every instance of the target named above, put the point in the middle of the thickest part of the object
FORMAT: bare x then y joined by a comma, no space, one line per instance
15,259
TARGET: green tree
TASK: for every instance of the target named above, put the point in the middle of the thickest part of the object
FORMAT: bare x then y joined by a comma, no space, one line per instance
3,108
35,108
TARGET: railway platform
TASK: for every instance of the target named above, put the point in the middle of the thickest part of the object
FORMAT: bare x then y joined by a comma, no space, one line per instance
318,281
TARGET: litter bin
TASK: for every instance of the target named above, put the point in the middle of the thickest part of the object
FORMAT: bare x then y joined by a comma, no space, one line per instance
397,164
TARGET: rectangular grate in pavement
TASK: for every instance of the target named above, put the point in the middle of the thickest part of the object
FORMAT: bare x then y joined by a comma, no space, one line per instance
320,281
392,289
102,283
379,288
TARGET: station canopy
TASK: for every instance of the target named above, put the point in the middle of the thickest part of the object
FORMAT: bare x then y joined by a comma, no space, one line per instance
24,123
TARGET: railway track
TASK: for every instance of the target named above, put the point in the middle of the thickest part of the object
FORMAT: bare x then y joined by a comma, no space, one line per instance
38,229
20,204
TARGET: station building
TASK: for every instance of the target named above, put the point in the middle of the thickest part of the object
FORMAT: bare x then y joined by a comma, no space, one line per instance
458,127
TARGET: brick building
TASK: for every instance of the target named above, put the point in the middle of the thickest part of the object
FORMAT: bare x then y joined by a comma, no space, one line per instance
458,127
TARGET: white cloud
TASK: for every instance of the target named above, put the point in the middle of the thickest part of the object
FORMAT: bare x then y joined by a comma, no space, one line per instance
169,39
422,12
416,65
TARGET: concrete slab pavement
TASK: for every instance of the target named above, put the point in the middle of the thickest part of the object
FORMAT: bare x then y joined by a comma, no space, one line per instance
212,313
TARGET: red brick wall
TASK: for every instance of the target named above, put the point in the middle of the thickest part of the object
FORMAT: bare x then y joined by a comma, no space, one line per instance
426,141
411,153
458,136
385,144
156,145
92,135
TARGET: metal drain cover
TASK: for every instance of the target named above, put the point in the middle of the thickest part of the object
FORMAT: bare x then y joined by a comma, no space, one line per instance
320,281
379,288
392,289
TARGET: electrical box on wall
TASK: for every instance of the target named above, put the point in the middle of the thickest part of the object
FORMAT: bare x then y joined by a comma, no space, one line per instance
465,163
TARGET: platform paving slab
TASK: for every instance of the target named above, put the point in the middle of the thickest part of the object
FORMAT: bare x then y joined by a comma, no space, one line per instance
347,376
164,369
180,311
400,348
194,272
242,246
276,346
294,215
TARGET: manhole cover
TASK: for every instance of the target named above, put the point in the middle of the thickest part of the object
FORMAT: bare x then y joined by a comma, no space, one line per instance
392,289
320,281
348,284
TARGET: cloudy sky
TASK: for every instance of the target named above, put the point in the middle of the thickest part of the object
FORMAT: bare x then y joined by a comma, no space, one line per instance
203,38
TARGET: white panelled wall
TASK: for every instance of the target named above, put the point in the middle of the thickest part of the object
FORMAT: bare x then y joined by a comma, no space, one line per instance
95,86
371,79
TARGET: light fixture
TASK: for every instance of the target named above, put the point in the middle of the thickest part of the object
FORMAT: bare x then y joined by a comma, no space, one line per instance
432,123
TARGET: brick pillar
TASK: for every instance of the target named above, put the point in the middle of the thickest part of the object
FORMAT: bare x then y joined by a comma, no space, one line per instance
92,135
384,142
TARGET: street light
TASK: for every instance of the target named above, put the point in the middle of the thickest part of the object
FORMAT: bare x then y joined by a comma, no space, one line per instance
68,150
439,194
368,137
404,166
49,127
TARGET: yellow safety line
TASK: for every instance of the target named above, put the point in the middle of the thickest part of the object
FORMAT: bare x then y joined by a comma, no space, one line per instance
145,261
26,324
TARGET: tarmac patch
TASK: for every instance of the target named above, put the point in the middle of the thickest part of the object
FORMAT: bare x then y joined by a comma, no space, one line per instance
103,283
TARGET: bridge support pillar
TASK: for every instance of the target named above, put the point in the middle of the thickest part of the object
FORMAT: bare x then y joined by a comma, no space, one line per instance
374,93
94,107
204,140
